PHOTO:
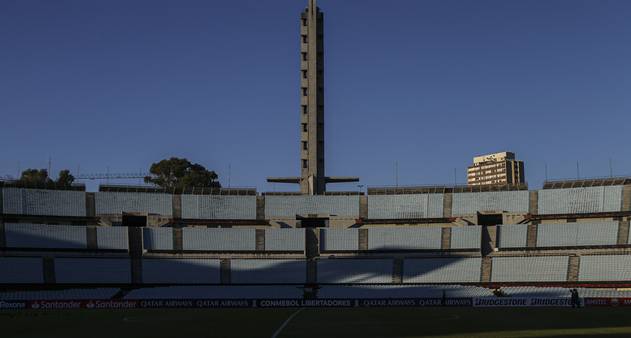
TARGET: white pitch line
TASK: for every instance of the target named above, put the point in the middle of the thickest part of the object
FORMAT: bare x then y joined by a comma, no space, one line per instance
286,322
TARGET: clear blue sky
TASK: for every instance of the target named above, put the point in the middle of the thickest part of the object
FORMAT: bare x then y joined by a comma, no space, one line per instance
429,84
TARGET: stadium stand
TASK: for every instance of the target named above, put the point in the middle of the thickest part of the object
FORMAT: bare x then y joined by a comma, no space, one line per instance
210,239
471,203
401,291
580,200
93,270
64,294
217,292
112,238
405,238
40,236
468,237
442,270
40,202
339,240
512,236
180,271
284,239
218,207
530,269
268,271
604,268
355,271
577,234
533,291
115,203
290,206
21,270
405,206
158,239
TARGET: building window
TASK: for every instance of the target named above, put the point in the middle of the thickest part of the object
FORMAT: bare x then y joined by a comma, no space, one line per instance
304,127
305,164
304,109
304,39
304,145
304,91
304,56
304,74
304,22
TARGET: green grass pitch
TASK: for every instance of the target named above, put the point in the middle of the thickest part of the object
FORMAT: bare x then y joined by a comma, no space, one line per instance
320,322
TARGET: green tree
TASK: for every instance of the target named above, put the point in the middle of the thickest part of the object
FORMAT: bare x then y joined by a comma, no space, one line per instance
180,173
65,179
35,177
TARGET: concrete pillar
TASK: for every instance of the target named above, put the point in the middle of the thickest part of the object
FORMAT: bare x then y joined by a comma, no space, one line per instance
312,241
486,270
3,236
260,207
445,239
626,198
363,239
312,271
489,238
225,271
178,242
447,204
531,236
397,271
136,270
533,202
363,206
49,270
573,268
90,233
90,205
260,240
623,232
134,236
176,205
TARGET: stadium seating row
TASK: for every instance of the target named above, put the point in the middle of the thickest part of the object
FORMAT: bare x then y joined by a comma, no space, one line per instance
73,204
559,235
69,237
297,292
83,270
201,239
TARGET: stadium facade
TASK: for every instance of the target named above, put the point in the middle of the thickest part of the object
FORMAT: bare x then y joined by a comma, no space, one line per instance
424,242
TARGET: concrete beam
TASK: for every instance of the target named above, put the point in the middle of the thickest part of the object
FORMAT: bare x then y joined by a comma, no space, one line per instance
363,206
91,237
178,241
445,239
447,204
573,267
397,271
136,270
626,198
312,271
260,239
135,240
225,276
3,236
533,202
531,236
486,270
312,242
260,207
176,205
362,239
90,205
49,270
623,232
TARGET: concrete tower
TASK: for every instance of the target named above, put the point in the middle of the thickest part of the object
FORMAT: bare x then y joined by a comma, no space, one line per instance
312,178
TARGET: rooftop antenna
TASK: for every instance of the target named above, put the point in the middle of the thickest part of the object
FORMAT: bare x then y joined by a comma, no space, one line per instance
396,173
578,172
229,174
50,164
610,168
546,169
455,177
